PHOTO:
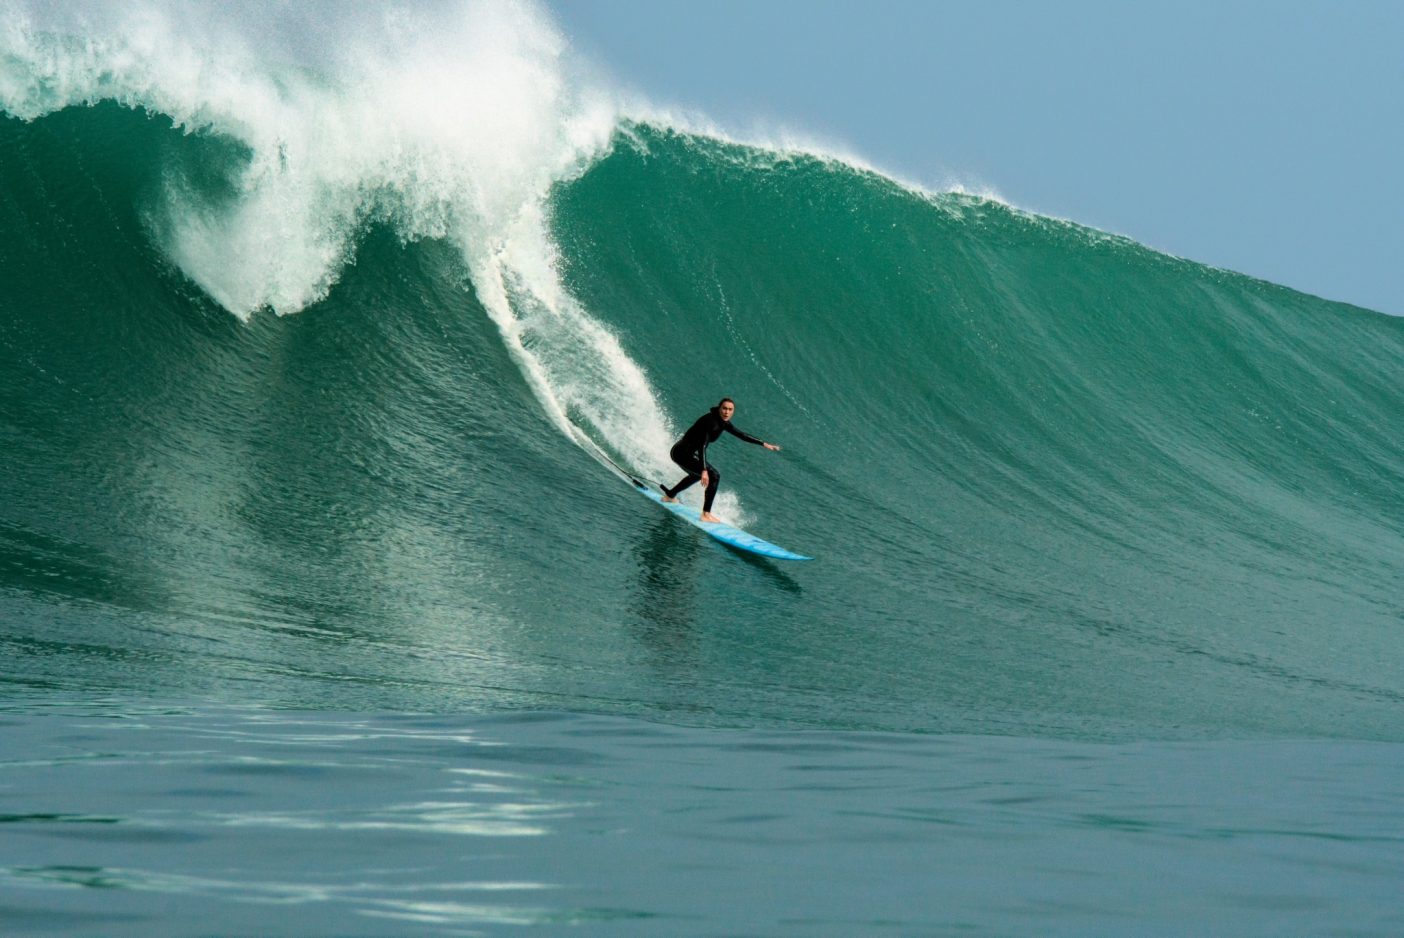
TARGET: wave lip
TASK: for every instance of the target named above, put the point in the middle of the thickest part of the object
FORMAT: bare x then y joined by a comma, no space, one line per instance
448,121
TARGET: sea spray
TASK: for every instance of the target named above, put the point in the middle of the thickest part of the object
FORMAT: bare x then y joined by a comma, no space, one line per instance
448,121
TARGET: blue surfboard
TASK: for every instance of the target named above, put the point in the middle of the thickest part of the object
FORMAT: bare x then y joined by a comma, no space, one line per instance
731,536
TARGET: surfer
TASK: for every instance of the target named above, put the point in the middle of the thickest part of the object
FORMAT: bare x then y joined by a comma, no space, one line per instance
691,454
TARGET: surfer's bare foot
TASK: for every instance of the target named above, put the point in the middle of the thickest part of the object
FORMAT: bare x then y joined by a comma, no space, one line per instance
710,518
669,500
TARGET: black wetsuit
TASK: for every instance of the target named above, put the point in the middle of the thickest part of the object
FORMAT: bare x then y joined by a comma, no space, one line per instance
691,453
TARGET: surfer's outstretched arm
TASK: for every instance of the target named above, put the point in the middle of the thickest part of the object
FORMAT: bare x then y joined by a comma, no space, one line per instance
743,435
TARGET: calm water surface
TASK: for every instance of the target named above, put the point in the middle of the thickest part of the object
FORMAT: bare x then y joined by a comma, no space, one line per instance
135,820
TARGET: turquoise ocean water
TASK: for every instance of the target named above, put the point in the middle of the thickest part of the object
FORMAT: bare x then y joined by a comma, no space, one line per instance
321,614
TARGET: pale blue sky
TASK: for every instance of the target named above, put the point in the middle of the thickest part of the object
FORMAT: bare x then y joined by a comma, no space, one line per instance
1263,137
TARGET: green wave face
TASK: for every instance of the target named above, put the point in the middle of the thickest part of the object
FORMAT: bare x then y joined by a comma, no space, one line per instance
1056,483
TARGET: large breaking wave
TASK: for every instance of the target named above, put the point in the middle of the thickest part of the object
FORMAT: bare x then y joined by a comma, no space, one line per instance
1058,482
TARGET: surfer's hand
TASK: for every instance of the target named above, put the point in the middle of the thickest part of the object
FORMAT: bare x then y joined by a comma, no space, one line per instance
704,480
772,447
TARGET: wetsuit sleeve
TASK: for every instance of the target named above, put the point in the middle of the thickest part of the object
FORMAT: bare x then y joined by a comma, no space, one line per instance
742,434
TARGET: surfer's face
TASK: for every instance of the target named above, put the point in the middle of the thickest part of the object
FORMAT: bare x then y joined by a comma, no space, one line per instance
726,410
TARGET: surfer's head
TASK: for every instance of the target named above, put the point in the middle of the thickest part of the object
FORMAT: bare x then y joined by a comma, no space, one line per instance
725,408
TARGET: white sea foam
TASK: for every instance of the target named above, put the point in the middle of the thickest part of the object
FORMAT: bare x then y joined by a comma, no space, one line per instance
449,120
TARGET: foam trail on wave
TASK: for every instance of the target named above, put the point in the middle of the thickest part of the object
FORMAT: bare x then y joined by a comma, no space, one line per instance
446,120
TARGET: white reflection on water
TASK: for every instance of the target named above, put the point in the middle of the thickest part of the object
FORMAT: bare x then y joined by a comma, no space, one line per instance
374,899
439,817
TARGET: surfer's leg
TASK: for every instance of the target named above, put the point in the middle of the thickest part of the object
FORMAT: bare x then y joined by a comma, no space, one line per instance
691,465
685,484
713,480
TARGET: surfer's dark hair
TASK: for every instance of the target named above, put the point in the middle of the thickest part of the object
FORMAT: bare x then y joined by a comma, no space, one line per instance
726,400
